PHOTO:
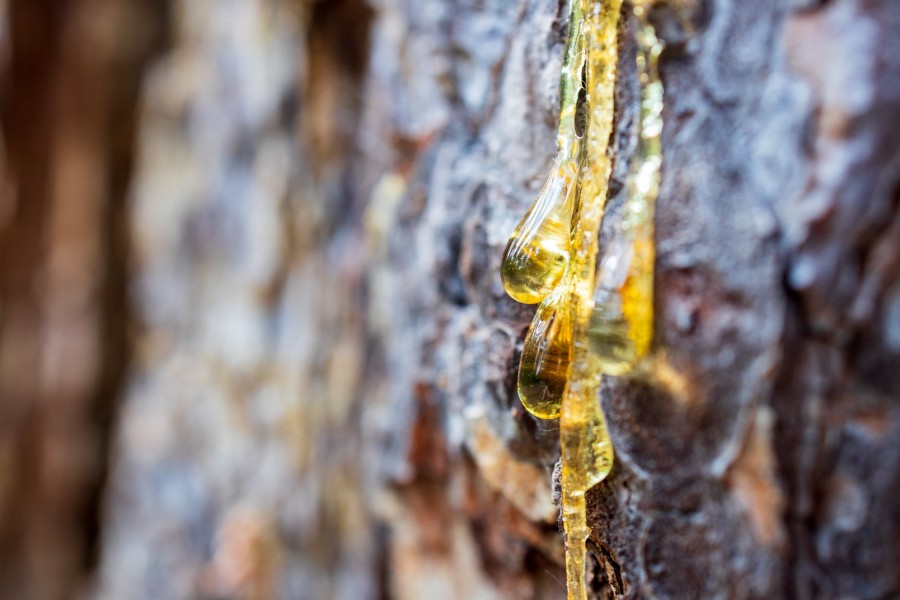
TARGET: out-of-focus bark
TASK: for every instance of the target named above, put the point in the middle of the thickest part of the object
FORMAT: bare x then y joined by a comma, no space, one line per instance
237,471
71,73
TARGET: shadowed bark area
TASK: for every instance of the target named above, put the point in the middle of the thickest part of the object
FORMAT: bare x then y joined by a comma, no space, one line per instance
271,256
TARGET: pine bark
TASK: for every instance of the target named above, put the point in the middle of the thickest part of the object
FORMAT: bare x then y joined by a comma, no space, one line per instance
256,279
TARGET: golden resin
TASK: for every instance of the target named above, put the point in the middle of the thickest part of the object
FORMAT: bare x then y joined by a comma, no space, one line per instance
587,454
621,323
544,365
538,250
539,247
593,320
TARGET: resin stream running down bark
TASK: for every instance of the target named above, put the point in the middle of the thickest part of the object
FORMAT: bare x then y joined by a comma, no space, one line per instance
587,454
550,384
535,258
592,320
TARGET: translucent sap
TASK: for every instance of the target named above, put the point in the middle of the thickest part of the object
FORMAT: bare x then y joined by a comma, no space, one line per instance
587,454
538,250
621,323
545,357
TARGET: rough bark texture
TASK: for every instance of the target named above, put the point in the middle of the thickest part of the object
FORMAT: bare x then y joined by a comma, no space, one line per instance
320,398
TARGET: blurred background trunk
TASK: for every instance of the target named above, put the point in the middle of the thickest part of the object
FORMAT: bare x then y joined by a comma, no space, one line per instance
253,341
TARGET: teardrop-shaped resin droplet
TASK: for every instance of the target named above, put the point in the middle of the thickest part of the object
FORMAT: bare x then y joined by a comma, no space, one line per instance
538,250
545,357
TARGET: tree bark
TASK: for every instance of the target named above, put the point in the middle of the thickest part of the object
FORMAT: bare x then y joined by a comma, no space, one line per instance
317,399
747,452
69,85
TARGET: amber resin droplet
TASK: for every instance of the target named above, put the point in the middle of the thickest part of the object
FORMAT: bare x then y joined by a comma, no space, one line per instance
545,357
538,250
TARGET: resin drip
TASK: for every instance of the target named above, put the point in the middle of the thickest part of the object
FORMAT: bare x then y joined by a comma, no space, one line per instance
537,254
544,366
538,249
591,321
621,324
587,454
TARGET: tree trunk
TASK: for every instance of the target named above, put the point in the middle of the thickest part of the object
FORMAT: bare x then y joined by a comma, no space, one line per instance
316,394
69,85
